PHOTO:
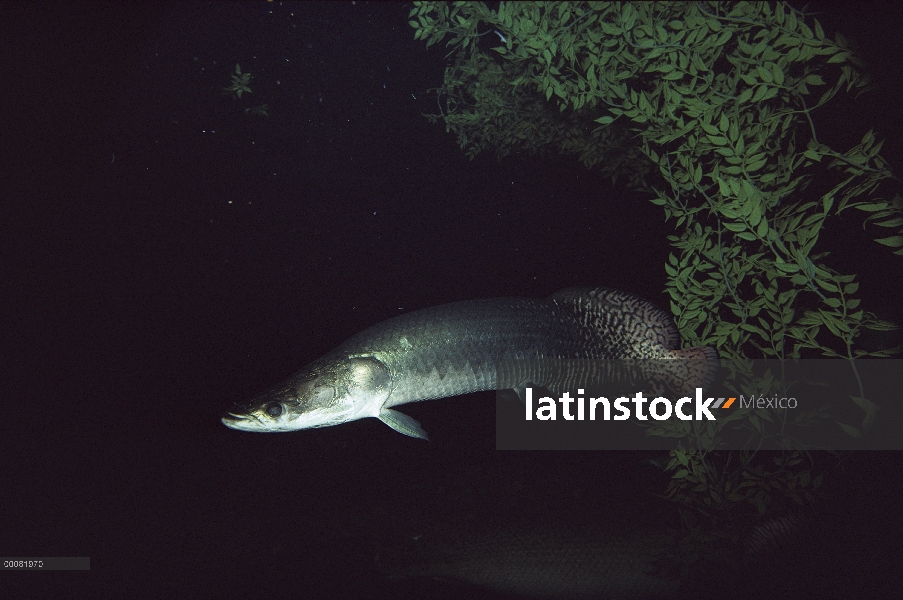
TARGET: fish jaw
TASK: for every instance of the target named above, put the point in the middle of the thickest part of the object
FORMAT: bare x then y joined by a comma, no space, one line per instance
321,395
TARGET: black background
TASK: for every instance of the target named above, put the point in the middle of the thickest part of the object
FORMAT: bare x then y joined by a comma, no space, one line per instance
166,254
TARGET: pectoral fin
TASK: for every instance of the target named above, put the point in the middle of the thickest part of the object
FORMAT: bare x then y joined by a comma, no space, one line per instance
402,423
520,392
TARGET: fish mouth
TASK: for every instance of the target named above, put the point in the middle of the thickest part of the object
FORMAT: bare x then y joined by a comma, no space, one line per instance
240,422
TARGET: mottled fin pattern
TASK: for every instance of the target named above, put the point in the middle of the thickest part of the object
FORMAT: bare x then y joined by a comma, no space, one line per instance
636,327
697,367
775,534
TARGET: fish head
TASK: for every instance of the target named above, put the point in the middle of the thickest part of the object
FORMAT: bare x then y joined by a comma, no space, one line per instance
328,392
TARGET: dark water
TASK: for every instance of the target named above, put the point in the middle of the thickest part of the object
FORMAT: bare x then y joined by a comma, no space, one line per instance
169,254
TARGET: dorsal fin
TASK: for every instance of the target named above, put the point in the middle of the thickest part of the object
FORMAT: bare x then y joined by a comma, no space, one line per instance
632,309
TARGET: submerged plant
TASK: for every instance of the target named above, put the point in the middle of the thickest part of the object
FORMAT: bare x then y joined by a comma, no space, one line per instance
710,108
258,110
239,82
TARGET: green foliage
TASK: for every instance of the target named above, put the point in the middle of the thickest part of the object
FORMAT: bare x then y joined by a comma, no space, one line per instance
239,83
708,106
720,493
753,484
713,96
488,103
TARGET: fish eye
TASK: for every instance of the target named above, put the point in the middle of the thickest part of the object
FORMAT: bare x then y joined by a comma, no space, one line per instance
273,409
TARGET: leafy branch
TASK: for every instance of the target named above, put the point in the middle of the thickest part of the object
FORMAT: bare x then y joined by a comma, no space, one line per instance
239,83
710,107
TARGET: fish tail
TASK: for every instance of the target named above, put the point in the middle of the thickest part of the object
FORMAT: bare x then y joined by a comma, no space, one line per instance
702,363
688,369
